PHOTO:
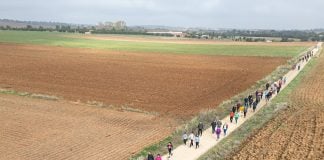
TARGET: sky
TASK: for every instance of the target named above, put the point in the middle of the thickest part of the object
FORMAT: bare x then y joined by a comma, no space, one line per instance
239,14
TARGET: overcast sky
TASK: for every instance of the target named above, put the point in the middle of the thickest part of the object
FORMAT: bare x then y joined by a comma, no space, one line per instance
243,14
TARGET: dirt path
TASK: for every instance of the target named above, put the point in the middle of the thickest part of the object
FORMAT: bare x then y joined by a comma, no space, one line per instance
208,140
298,132
42,129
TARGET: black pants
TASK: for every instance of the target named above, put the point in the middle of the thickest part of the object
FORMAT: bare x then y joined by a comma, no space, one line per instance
185,141
197,144
231,119
191,143
170,153
200,132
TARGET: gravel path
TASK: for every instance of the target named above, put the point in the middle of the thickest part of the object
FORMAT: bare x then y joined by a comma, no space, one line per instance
208,140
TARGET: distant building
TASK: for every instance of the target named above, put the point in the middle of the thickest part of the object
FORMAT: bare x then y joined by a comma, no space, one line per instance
175,34
205,36
119,25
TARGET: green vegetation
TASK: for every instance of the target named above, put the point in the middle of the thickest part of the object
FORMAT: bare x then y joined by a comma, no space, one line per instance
63,39
232,142
27,94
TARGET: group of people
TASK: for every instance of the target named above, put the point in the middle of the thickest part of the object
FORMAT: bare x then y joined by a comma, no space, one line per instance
304,58
151,157
217,127
192,137
237,109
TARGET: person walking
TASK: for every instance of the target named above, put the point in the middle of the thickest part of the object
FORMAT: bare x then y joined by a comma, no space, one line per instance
284,80
225,127
234,108
236,116
197,141
170,148
191,137
238,105
200,128
158,157
213,125
150,156
246,102
254,106
218,132
245,111
270,94
298,67
261,94
219,123
231,116
185,138
250,100
267,86
241,109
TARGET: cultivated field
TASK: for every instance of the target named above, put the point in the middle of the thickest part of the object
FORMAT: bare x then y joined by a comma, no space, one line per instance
41,129
174,81
150,45
297,132
168,84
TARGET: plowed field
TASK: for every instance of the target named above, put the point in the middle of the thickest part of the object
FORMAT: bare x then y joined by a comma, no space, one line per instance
174,85
298,132
41,129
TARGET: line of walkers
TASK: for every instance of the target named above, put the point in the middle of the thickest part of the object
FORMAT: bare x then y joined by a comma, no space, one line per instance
248,102
218,127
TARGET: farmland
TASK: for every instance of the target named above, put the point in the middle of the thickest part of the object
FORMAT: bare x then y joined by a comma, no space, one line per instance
169,84
151,46
146,87
40,129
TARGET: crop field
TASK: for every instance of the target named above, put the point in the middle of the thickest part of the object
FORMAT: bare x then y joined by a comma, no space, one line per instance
297,132
148,86
150,45
41,129
180,86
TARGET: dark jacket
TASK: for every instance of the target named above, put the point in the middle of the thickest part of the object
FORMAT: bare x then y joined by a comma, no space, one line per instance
213,124
234,109
200,126
150,157
219,124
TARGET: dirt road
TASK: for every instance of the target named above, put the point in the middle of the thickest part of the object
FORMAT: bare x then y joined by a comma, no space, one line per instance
298,132
208,140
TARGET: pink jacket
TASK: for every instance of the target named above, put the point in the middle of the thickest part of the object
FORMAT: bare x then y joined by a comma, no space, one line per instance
158,158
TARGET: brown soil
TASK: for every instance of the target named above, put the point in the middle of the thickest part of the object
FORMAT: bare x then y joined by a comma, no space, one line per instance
298,132
178,86
41,129
189,41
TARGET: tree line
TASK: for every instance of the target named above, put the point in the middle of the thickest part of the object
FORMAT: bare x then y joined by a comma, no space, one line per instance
235,35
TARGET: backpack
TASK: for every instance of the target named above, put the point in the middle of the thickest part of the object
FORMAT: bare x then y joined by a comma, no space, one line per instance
218,130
